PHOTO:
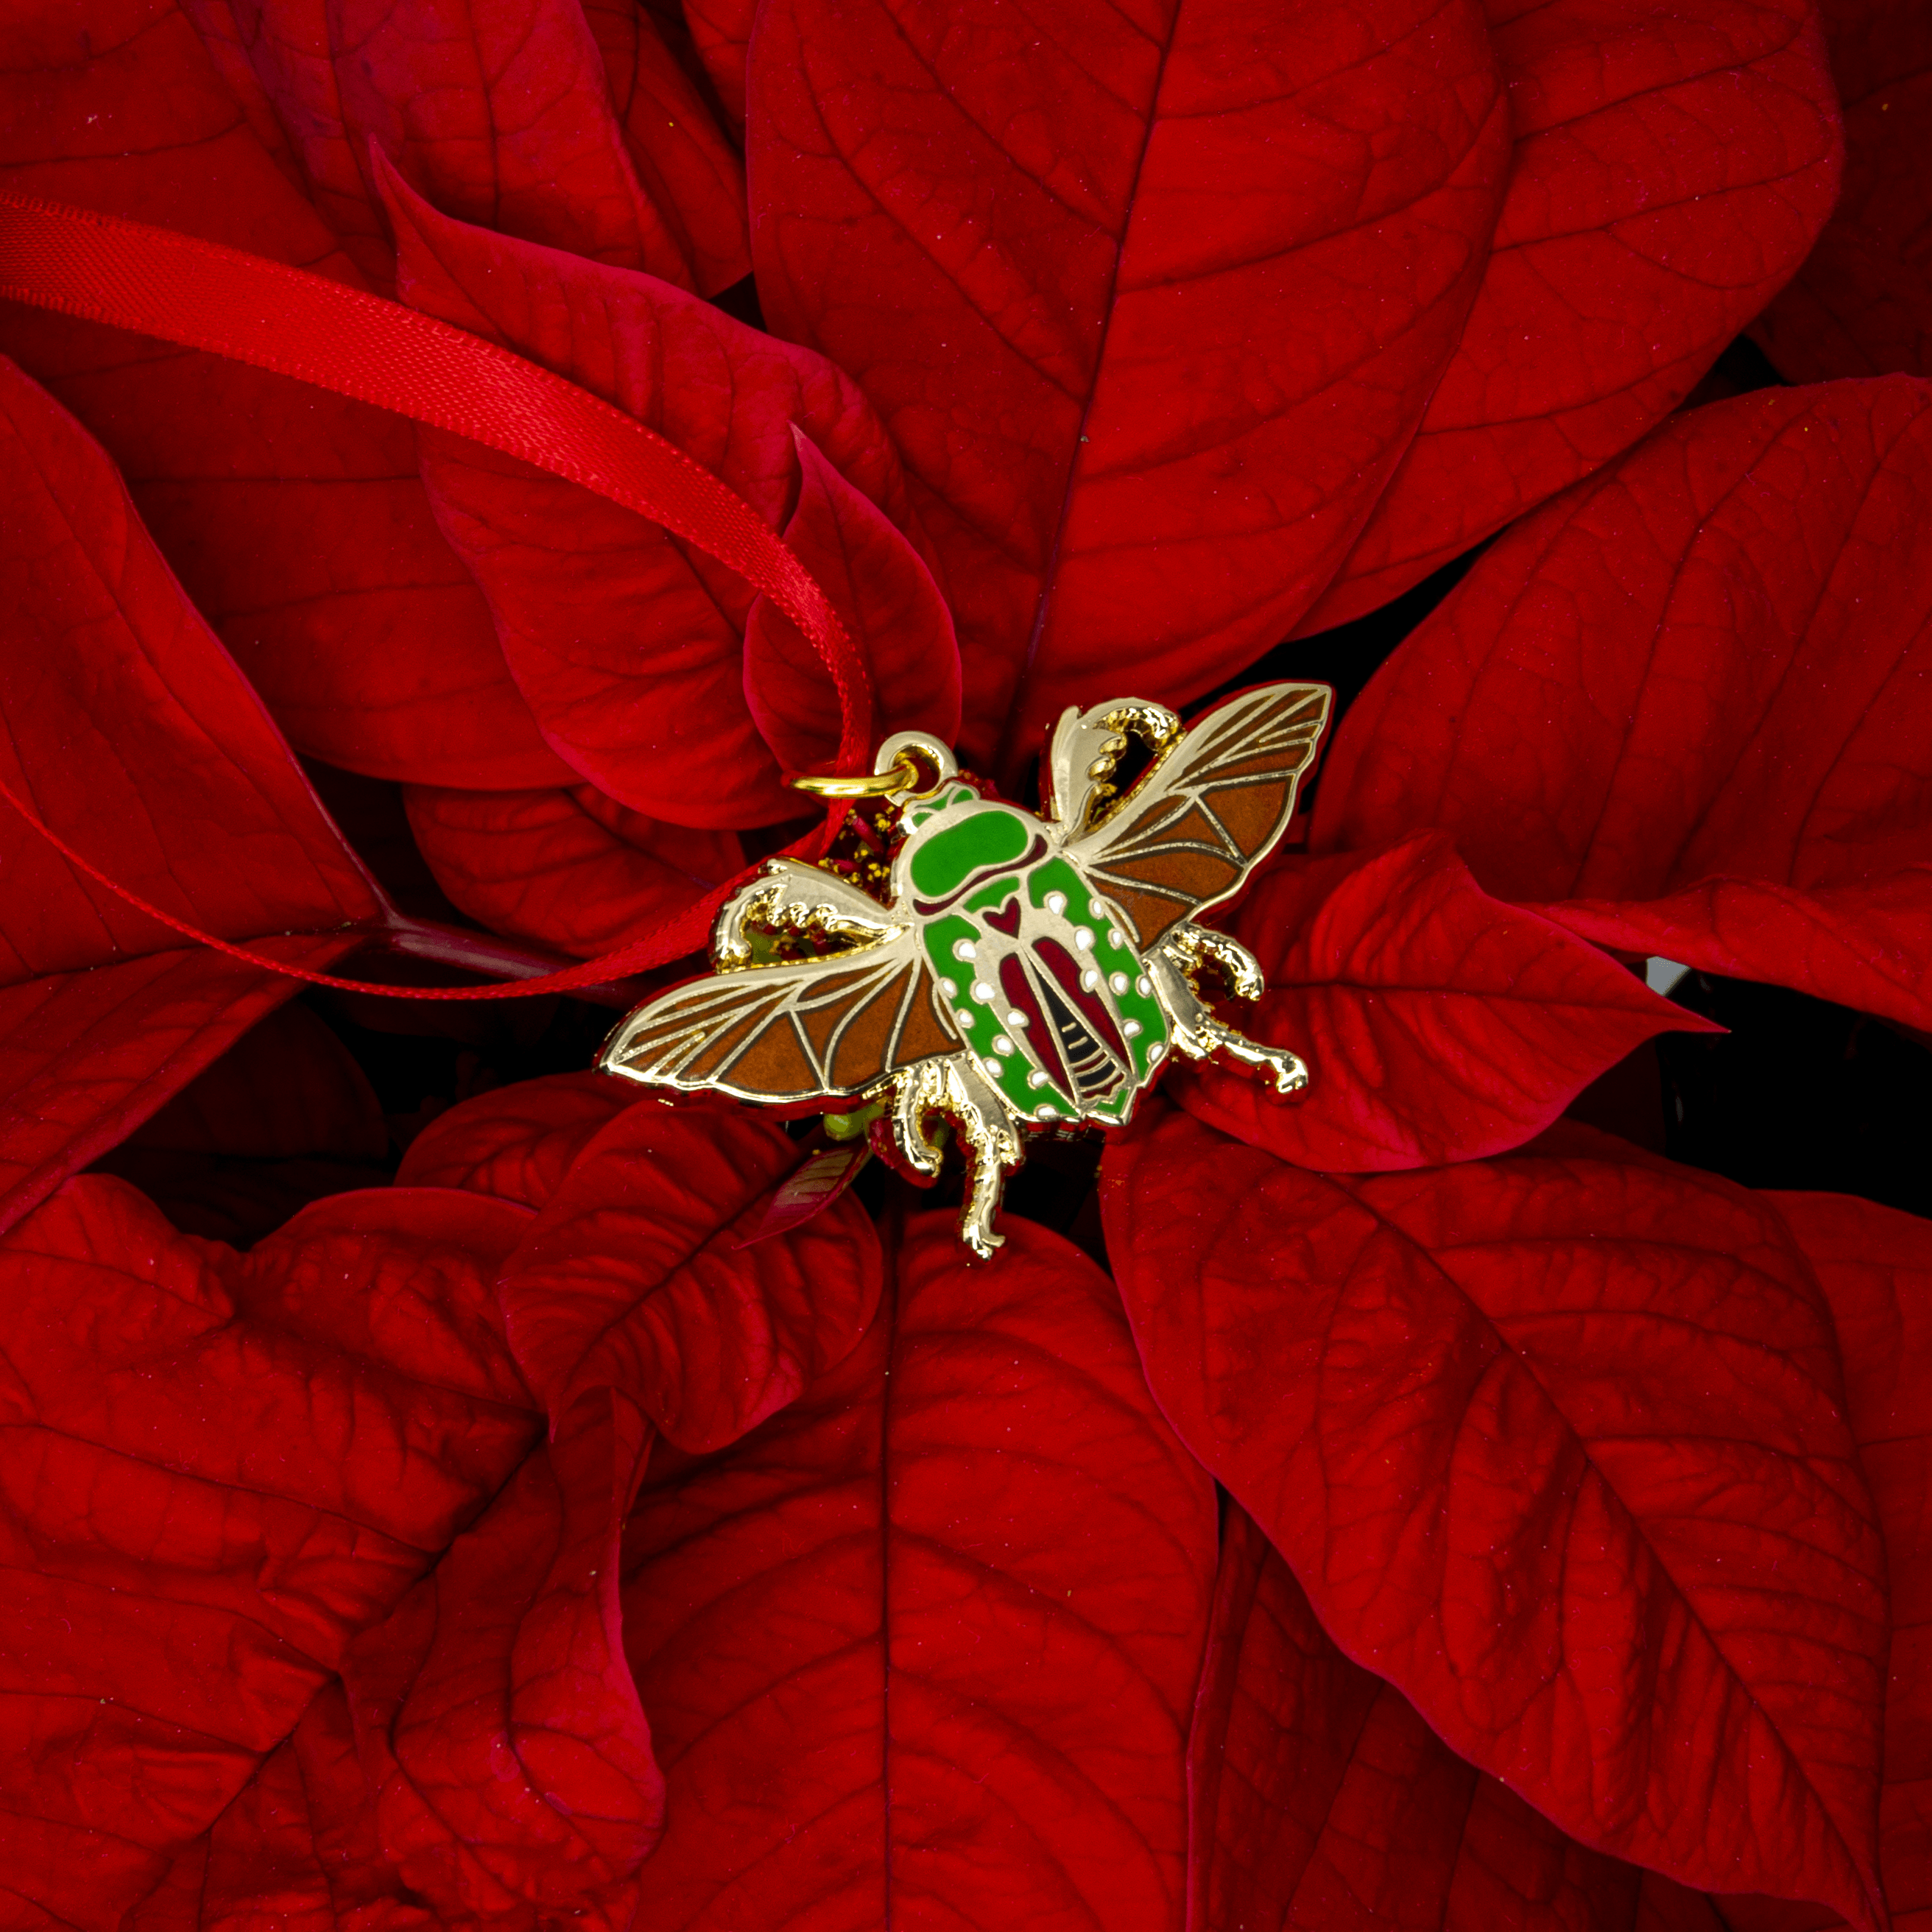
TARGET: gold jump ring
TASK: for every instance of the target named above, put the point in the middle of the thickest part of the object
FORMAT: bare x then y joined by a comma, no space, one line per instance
902,776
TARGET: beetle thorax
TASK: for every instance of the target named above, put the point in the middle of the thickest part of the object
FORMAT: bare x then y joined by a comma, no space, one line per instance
1038,974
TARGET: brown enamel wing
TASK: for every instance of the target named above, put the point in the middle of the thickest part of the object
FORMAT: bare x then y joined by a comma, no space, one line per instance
1186,836
863,1018
795,1032
1183,838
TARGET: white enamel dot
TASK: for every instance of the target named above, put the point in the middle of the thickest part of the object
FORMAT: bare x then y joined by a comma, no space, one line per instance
992,1066
1083,937
964,948
1155,1052
1115,937
982,992
1056,903
1036,1078
1143,985
1090,979
1001,1044
965,1016
1018,1021
1130,1027
1046,1111
1119,982
1094,906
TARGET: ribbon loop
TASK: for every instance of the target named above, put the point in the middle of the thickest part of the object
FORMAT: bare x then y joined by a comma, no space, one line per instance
251,310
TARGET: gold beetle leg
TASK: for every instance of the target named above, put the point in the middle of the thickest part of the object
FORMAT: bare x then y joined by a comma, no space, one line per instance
951,1087
1181,952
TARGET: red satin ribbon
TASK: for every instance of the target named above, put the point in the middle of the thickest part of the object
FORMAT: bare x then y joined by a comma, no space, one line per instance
204,296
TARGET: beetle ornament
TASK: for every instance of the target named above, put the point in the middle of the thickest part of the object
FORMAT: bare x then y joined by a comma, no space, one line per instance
1018,973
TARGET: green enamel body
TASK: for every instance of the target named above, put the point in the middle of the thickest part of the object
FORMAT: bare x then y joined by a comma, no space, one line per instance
1045,990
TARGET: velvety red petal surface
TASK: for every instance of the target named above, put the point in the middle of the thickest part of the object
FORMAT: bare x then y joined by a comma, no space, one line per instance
692,172
1673,164
495,1713
1861,945
509,1548
130,731
298,1848
1438,1024
1862,305
1875,1265
568,867
720,30
1152,302
628,646
632,1279
1319,1799
1556,1444
1703,672
518,1142
295,518
317,1425
921,1650
85,1058
880,587
215,1474
499,112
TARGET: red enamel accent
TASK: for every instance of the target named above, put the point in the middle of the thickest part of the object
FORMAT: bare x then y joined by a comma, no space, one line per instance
1018,990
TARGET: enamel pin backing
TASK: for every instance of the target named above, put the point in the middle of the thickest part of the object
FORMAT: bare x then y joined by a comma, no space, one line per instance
1014,974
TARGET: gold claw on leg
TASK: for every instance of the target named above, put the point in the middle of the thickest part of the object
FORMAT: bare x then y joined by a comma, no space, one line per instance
1183,951
915,1099
1194,946
791,896
951,1088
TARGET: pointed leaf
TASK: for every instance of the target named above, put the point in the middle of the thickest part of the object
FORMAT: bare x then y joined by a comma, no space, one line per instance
499,112
1555,1444
1438,1024
295,517
720,30
1673,164
202,1499
1312,1785
892,609
694,175
1862,305
928,1659
631,1277
1861,945
1696,684
277,64
569,868
1876,1266
131,731
1151,304
136,736
629,647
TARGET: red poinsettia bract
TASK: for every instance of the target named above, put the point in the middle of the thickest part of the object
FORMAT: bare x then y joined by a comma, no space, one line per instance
1434,1513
